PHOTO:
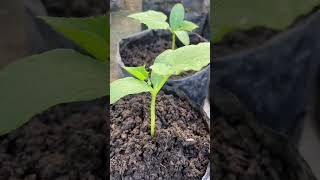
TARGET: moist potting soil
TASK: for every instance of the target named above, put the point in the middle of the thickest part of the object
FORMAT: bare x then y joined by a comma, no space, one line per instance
65,142
179,150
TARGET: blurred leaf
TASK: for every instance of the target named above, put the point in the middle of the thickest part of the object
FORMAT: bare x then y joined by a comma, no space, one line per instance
90,33
176,16
36,83
183,37
187,26
125,86
231,15
139,72
186,58
153,19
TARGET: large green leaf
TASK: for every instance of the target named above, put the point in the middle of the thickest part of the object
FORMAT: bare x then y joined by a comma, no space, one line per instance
153,19
176,16
90,33
233,15
186,58
39,82
125,86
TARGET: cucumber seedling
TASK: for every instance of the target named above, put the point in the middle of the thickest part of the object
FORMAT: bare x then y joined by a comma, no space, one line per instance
178,26
170,62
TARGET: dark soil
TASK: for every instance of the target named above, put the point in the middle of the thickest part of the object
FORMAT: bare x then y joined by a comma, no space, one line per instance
76,8
180,149
145,52
238,41
138,54
240,155
64,142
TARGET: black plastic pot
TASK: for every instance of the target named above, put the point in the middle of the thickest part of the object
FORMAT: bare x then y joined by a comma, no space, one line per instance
195,86
272,79
227,104
180,94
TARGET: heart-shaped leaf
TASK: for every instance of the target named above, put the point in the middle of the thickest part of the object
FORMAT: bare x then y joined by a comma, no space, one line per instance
186,58
90,33
39,82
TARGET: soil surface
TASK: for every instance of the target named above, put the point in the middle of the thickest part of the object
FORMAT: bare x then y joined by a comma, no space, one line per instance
240,155
138,54
144,52
65,142
238,41
76,8
180,149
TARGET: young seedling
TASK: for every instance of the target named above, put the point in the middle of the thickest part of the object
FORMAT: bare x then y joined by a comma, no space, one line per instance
168,63
178,26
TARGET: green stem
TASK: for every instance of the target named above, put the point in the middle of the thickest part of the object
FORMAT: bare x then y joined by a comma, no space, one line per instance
153,113
173,41
154,94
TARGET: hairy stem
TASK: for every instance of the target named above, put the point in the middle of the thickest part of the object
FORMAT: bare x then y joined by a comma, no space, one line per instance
153,113
173,41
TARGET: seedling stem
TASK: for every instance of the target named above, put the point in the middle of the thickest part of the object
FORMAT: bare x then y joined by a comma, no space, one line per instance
153,113
173,41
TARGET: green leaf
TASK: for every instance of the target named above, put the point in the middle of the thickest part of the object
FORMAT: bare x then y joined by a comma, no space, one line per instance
36,83
176,16
91,33
156,80
183,37
234,15
139,72
153,19
125,86
187,26
186,58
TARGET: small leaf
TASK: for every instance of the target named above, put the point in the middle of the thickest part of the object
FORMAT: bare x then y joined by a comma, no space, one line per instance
129,85
183,37
176,16
186,58
91,33
156,80
36,83
139,72
153,19
187,26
